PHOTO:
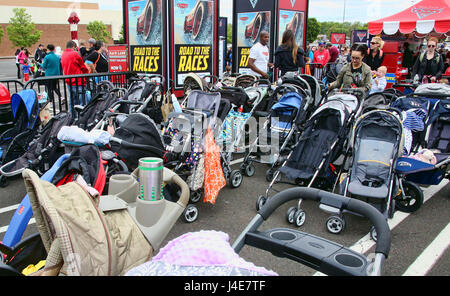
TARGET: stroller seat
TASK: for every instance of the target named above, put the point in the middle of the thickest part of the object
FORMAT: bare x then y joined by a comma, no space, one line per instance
372,170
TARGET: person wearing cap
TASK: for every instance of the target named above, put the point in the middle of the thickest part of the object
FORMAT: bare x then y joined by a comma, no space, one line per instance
39,54
321,56
91,49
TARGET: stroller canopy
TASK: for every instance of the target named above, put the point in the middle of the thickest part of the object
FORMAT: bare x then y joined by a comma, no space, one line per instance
289,100
30,100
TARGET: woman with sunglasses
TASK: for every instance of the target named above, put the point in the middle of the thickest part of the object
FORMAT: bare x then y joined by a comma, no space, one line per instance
355,74
429,64
375,56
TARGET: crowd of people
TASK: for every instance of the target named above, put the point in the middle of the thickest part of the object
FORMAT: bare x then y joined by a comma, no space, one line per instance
357,67
74,60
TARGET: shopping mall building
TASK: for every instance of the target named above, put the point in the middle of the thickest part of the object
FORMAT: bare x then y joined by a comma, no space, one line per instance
51,17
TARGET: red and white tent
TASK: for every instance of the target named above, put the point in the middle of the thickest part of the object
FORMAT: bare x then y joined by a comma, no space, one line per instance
425,17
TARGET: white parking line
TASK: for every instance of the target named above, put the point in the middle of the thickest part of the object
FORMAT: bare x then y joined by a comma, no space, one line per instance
431,255
9,209
366,243
5,228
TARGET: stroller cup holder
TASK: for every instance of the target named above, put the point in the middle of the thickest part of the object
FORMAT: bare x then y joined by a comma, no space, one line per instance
154,218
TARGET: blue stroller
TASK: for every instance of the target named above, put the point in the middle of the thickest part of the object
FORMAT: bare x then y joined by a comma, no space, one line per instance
437,141
14,142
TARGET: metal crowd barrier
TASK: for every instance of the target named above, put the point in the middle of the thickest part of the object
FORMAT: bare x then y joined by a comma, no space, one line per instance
61,88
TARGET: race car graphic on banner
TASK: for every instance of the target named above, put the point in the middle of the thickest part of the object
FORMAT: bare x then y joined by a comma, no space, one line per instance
193,38
145,36
145,22
292,20
250,26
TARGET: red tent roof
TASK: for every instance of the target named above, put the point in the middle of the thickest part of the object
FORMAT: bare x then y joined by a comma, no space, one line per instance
424,17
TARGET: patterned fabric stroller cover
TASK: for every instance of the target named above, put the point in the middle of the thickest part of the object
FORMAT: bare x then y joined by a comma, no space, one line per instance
203,253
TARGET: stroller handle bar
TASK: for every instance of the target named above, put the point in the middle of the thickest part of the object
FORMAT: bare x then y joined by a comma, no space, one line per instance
335,201
329,200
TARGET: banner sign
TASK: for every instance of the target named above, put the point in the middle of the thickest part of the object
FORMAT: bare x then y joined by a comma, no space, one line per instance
292,16
360,37
145,36
193,38
146,59
250,25
338,38
118,58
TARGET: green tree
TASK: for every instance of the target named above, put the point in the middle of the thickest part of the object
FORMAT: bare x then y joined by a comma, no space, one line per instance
1,34
229,34
314,29
21,30
98,31
121,38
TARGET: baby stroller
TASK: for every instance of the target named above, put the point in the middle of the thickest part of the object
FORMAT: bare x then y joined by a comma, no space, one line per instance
15,141
184,136
288,109
245,103
376,144
84,161
426,172
312,163
147,95
43,151
123,229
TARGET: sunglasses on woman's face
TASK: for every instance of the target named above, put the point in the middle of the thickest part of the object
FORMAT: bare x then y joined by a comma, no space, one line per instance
373,43
431,46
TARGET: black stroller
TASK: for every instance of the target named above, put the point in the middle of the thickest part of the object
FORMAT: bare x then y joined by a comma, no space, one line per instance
288,109
322,142
15,141
43,151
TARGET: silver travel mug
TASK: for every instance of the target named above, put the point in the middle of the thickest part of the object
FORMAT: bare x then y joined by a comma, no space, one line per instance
151,178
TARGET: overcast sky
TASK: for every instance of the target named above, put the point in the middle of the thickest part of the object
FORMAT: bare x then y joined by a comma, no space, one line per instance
323,10
333,10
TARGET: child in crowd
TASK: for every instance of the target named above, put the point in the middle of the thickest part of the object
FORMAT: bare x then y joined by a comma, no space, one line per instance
379,82
27,69
307,68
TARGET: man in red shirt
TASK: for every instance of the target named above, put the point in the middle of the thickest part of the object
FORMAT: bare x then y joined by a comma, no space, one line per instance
73,64
321,58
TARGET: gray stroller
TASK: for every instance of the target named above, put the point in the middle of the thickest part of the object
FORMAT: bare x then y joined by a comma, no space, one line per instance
183,136
376,144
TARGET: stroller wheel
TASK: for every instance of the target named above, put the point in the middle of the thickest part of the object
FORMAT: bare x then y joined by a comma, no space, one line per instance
290,214
235,179
190,214
270,174
196,196
299,218
4,182
335,224
260,202
248,169
373,234
411,199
